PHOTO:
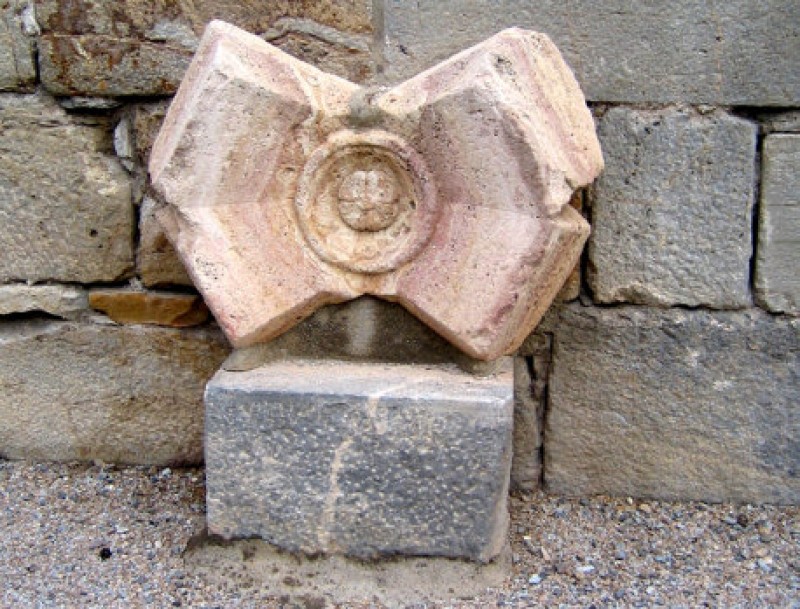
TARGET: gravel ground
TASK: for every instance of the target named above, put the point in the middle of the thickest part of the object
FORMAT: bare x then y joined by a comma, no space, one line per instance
102,536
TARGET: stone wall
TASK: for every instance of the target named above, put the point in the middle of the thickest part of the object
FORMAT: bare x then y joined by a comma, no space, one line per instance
668,368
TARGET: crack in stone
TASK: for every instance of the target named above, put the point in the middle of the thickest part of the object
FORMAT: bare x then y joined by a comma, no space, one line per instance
381,425
334,492
328,516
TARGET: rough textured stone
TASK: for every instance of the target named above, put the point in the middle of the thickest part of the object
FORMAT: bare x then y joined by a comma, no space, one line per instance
360,459
91,104
17,26
119,394
164,20
671,216
316,581
365,329
572,286
347,55
777,280
537,342
781,122
65,201
106,65
156,261
675,405
530,383
60,300
720,52
139,47
156,308
147,120
448,194
123,143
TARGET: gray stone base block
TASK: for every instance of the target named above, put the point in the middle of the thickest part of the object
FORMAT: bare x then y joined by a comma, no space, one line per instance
365,460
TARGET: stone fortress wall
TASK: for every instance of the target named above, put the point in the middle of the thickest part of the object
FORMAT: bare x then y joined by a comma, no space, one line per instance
669,367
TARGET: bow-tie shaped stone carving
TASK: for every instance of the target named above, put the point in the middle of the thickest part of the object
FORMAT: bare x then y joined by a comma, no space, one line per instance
286,188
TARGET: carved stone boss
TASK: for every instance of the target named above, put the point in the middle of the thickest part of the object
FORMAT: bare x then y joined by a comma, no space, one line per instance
285,188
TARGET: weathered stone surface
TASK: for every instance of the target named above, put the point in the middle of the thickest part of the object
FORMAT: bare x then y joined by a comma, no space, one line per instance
156,261
365,329
91,104
164,21
155,308
531,374
118,394
735,52
572,286
360,459
347,55
123,143
538,342
313,581
672,212
60,300
781,122
17,26
675,405
65,201
147,120
139,47
530,383
106,65
777,280
448,194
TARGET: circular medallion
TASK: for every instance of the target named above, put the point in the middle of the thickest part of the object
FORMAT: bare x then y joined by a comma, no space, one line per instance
366,202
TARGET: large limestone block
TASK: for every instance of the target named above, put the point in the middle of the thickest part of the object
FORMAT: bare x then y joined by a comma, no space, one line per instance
288,188
736,52
176,21
119,394
777,281
17,26
140,47
65,201
672,214
675,405
107,65
366,460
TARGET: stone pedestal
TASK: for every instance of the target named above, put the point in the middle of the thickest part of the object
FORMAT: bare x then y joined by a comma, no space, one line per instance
366,460
283,189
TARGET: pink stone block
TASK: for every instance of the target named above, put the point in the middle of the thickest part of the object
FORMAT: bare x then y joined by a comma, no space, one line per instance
284,188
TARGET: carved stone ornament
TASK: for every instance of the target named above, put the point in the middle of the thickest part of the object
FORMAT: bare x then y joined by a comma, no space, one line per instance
285,188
